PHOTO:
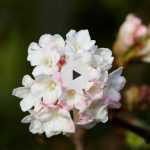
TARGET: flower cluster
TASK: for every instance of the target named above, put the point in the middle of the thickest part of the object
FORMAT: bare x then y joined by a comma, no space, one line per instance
56,108
133,40
131,31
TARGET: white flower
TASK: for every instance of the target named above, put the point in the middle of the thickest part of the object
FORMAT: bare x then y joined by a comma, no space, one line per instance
51,121
73,99
78,42
46,54
112,89
48,88
28,100
94,114
43,88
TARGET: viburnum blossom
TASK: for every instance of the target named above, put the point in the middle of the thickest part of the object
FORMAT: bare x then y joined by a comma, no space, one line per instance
43,88
131,31
49,120
45,55
78,42
71,84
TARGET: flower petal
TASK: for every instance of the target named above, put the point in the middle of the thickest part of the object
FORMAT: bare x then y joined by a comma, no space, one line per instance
21,92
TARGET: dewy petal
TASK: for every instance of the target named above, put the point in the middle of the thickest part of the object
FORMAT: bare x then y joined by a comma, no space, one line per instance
79,42
70,34
44,70
115,83
103,58
102,114
116,80
84,40
45,40
26,119
35,127
28,102
27,81
38,89
51,41
59,41
35,56
39,70
21,92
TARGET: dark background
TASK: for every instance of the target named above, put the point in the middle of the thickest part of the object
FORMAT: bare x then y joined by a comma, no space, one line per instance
24,21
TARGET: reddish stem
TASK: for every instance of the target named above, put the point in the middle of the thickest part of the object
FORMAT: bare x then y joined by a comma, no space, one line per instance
78,139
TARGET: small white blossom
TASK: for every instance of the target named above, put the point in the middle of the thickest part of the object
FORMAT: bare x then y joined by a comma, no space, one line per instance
46,54
28,100
47,87
51,121
43,88
78,42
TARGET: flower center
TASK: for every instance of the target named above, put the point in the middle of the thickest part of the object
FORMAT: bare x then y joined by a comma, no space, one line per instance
52,85
71,93
49,61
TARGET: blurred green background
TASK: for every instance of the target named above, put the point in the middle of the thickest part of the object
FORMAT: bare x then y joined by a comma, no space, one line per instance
24,21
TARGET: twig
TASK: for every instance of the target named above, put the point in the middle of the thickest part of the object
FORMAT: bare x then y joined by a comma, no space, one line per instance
141,131
78,138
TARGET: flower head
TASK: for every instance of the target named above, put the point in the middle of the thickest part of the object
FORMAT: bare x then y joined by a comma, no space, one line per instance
71,85
130,32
